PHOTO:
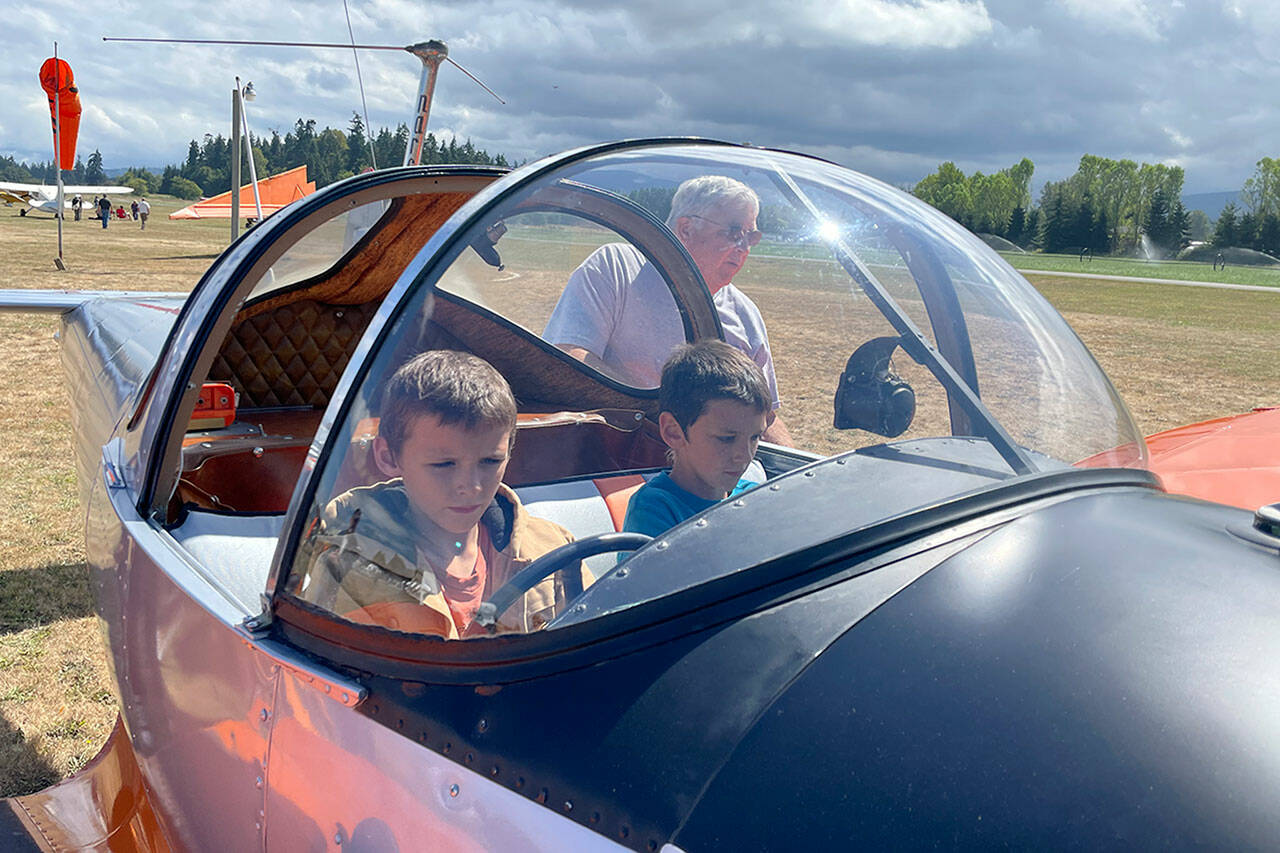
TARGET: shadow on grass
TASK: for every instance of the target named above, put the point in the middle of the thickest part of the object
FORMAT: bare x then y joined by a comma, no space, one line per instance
22,769
43,595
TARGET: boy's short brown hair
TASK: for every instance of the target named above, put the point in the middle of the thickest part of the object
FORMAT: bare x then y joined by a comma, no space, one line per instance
696,374
456,387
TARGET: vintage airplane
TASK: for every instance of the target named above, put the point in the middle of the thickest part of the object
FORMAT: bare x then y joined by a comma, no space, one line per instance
959,612
45,198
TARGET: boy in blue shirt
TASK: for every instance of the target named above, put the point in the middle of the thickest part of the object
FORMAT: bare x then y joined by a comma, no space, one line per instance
714,404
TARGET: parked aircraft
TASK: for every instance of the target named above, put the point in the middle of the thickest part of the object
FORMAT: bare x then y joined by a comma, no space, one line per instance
993,629
45,198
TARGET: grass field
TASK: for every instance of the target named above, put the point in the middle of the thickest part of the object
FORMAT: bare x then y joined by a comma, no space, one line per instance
1176,354
1173,270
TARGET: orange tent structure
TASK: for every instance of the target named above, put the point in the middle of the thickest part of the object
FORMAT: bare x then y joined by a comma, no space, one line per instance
275,192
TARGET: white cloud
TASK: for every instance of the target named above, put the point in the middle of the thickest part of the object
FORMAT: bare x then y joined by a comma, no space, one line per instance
1131,17
916,24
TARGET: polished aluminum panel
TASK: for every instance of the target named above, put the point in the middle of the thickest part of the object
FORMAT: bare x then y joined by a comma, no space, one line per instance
338,780
195,695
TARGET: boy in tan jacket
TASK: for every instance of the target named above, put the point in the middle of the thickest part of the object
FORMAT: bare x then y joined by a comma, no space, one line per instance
420,552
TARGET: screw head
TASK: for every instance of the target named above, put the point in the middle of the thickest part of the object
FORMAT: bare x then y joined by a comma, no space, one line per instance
454,789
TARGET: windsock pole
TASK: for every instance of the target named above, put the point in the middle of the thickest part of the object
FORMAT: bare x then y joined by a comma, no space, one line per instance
432,53
57,148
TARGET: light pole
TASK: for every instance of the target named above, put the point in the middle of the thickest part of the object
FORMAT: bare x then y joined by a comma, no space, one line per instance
240,122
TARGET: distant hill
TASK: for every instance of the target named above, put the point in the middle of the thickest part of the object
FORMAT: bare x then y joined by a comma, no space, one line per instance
1210,203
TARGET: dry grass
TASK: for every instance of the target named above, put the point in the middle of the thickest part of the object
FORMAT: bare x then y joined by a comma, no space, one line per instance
1176,354
57,705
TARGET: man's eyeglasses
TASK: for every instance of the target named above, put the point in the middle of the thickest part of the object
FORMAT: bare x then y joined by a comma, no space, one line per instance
734,233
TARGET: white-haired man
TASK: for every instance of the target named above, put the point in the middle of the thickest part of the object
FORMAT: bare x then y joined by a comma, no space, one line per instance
618,315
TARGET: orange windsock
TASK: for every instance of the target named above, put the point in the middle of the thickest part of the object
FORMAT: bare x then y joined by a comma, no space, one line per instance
64,110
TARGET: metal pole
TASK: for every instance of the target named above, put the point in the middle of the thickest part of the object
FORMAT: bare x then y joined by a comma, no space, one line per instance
235,163
248,149
57,148
432,53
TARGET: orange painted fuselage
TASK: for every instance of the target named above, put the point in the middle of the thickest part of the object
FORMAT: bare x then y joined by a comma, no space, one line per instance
1233,460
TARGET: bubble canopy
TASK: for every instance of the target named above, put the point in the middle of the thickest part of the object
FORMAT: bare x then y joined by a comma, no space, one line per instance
892,340
845,258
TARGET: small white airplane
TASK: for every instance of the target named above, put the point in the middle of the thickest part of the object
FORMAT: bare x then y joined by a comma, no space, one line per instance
45,197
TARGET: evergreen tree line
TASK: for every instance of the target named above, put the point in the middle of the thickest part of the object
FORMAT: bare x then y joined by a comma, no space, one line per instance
1106,207
329,155
1248,230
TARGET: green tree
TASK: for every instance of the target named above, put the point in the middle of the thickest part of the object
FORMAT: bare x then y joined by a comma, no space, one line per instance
1179,226
1156,226
358,148
1199,228
93,172
948,191
1225,232
1261,192
1247,230
182,188
1269,234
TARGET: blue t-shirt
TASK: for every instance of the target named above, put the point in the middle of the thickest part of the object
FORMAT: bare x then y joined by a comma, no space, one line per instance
660,505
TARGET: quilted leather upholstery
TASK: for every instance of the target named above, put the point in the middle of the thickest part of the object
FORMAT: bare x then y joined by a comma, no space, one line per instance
292,355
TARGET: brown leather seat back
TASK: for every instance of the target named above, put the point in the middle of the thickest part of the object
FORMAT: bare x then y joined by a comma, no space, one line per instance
291,355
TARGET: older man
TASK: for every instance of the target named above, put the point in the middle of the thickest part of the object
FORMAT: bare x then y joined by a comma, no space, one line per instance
617,313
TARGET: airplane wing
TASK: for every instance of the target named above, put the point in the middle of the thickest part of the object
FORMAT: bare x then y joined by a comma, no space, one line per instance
41,196
96,190
21,193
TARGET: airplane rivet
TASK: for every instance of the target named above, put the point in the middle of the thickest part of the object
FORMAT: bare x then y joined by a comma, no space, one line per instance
661,546
775,488
542,796
257,826
258,782
482,725
519,782
739,502
399,723
653,845
621,573
808,473
346,698
581,608
624,832
257,453
841,461
446,748
337,838
453,790
702,522
469,757
568,806
493,771
265,714
595,817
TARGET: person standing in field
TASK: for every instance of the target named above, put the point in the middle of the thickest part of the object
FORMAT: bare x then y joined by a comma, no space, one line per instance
76,204
144,210
133,208
104,211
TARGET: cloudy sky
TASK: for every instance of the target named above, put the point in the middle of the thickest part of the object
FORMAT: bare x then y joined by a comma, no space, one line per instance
889,87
